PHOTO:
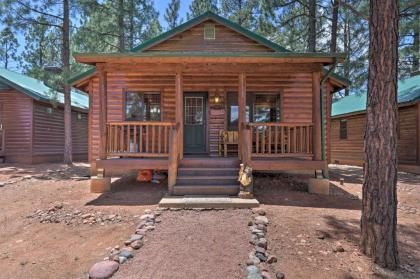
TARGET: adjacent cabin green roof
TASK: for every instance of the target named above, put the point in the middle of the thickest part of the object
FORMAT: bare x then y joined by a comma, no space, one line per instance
38,90
139,51
408,91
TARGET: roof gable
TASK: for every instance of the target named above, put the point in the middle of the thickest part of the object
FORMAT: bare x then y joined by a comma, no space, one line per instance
221,22
408,91
37,90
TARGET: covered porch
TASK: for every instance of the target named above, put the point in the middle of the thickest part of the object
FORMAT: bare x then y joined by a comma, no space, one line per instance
291,142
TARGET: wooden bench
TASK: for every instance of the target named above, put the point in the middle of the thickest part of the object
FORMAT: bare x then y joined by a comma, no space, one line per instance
228,139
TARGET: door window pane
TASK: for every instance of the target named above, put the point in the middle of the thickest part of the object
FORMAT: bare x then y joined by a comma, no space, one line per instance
194,110
142,106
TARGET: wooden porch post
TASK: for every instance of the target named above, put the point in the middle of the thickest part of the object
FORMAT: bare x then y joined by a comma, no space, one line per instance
179,114
241,114
316,116
102,112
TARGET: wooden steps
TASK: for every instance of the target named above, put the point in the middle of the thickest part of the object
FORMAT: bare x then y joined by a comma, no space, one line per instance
207,176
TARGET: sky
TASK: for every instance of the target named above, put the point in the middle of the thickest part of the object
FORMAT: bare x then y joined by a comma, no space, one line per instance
160,5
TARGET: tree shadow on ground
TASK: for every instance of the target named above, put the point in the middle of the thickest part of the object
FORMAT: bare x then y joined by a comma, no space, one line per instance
407,235
126,191
291,190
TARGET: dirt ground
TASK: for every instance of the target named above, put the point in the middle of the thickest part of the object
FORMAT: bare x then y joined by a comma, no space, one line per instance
194,244
30,249
187,242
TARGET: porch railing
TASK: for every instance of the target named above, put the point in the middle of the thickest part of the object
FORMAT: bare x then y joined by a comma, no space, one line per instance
138,139
281,139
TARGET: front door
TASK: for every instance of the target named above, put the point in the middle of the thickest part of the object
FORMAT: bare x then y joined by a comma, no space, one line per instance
195,123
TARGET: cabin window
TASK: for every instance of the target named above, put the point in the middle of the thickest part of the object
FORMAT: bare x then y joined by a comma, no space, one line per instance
143,106
209,31
49,110
267,108
79,116
343,129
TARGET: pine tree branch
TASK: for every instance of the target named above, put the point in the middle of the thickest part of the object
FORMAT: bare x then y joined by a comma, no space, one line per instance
353,9
38,11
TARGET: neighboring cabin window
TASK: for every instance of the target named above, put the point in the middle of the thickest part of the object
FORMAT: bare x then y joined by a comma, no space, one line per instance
144,106
209,31
343,129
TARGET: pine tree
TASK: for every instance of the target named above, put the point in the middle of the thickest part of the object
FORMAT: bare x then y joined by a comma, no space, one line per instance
42,48
379,205
8,47
198,7
101,31
172,14
240,11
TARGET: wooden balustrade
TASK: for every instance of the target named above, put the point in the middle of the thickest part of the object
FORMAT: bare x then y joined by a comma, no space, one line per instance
138,139
281,139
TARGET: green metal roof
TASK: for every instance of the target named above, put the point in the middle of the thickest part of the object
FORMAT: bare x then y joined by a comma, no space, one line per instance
408,91
39,91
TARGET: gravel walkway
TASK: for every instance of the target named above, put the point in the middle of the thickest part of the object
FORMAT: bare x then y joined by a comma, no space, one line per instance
192,244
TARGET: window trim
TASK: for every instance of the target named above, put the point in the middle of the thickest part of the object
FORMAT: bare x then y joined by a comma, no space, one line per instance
209,25
126,92
250,102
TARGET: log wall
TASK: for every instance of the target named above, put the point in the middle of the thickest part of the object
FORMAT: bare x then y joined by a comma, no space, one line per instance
350,151
17,122
225,40
295,89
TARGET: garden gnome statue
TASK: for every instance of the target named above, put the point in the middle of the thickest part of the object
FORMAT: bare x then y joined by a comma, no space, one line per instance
245,179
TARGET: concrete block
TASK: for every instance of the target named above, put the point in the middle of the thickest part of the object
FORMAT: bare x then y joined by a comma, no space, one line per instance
319,186
100,184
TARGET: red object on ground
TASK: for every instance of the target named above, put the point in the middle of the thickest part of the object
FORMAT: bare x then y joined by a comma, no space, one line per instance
144,176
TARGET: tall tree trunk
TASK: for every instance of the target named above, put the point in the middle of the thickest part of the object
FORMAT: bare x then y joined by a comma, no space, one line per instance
312,26
347,52
68,150
334,23
416,48
121,44
379,206
131,27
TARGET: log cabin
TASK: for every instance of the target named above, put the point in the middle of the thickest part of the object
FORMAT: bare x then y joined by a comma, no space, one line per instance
349,120
172,102
32,121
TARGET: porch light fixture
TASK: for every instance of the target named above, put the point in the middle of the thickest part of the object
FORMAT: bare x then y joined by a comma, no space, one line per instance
217,99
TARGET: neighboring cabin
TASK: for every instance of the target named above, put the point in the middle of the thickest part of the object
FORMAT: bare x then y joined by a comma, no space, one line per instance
348,127
32,121
166,104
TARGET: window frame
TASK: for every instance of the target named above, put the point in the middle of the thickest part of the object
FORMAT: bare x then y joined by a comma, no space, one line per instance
209,25
250,103
142,93
343,130
278,103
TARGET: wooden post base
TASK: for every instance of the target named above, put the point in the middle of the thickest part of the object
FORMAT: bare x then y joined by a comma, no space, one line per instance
319,186
100,184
